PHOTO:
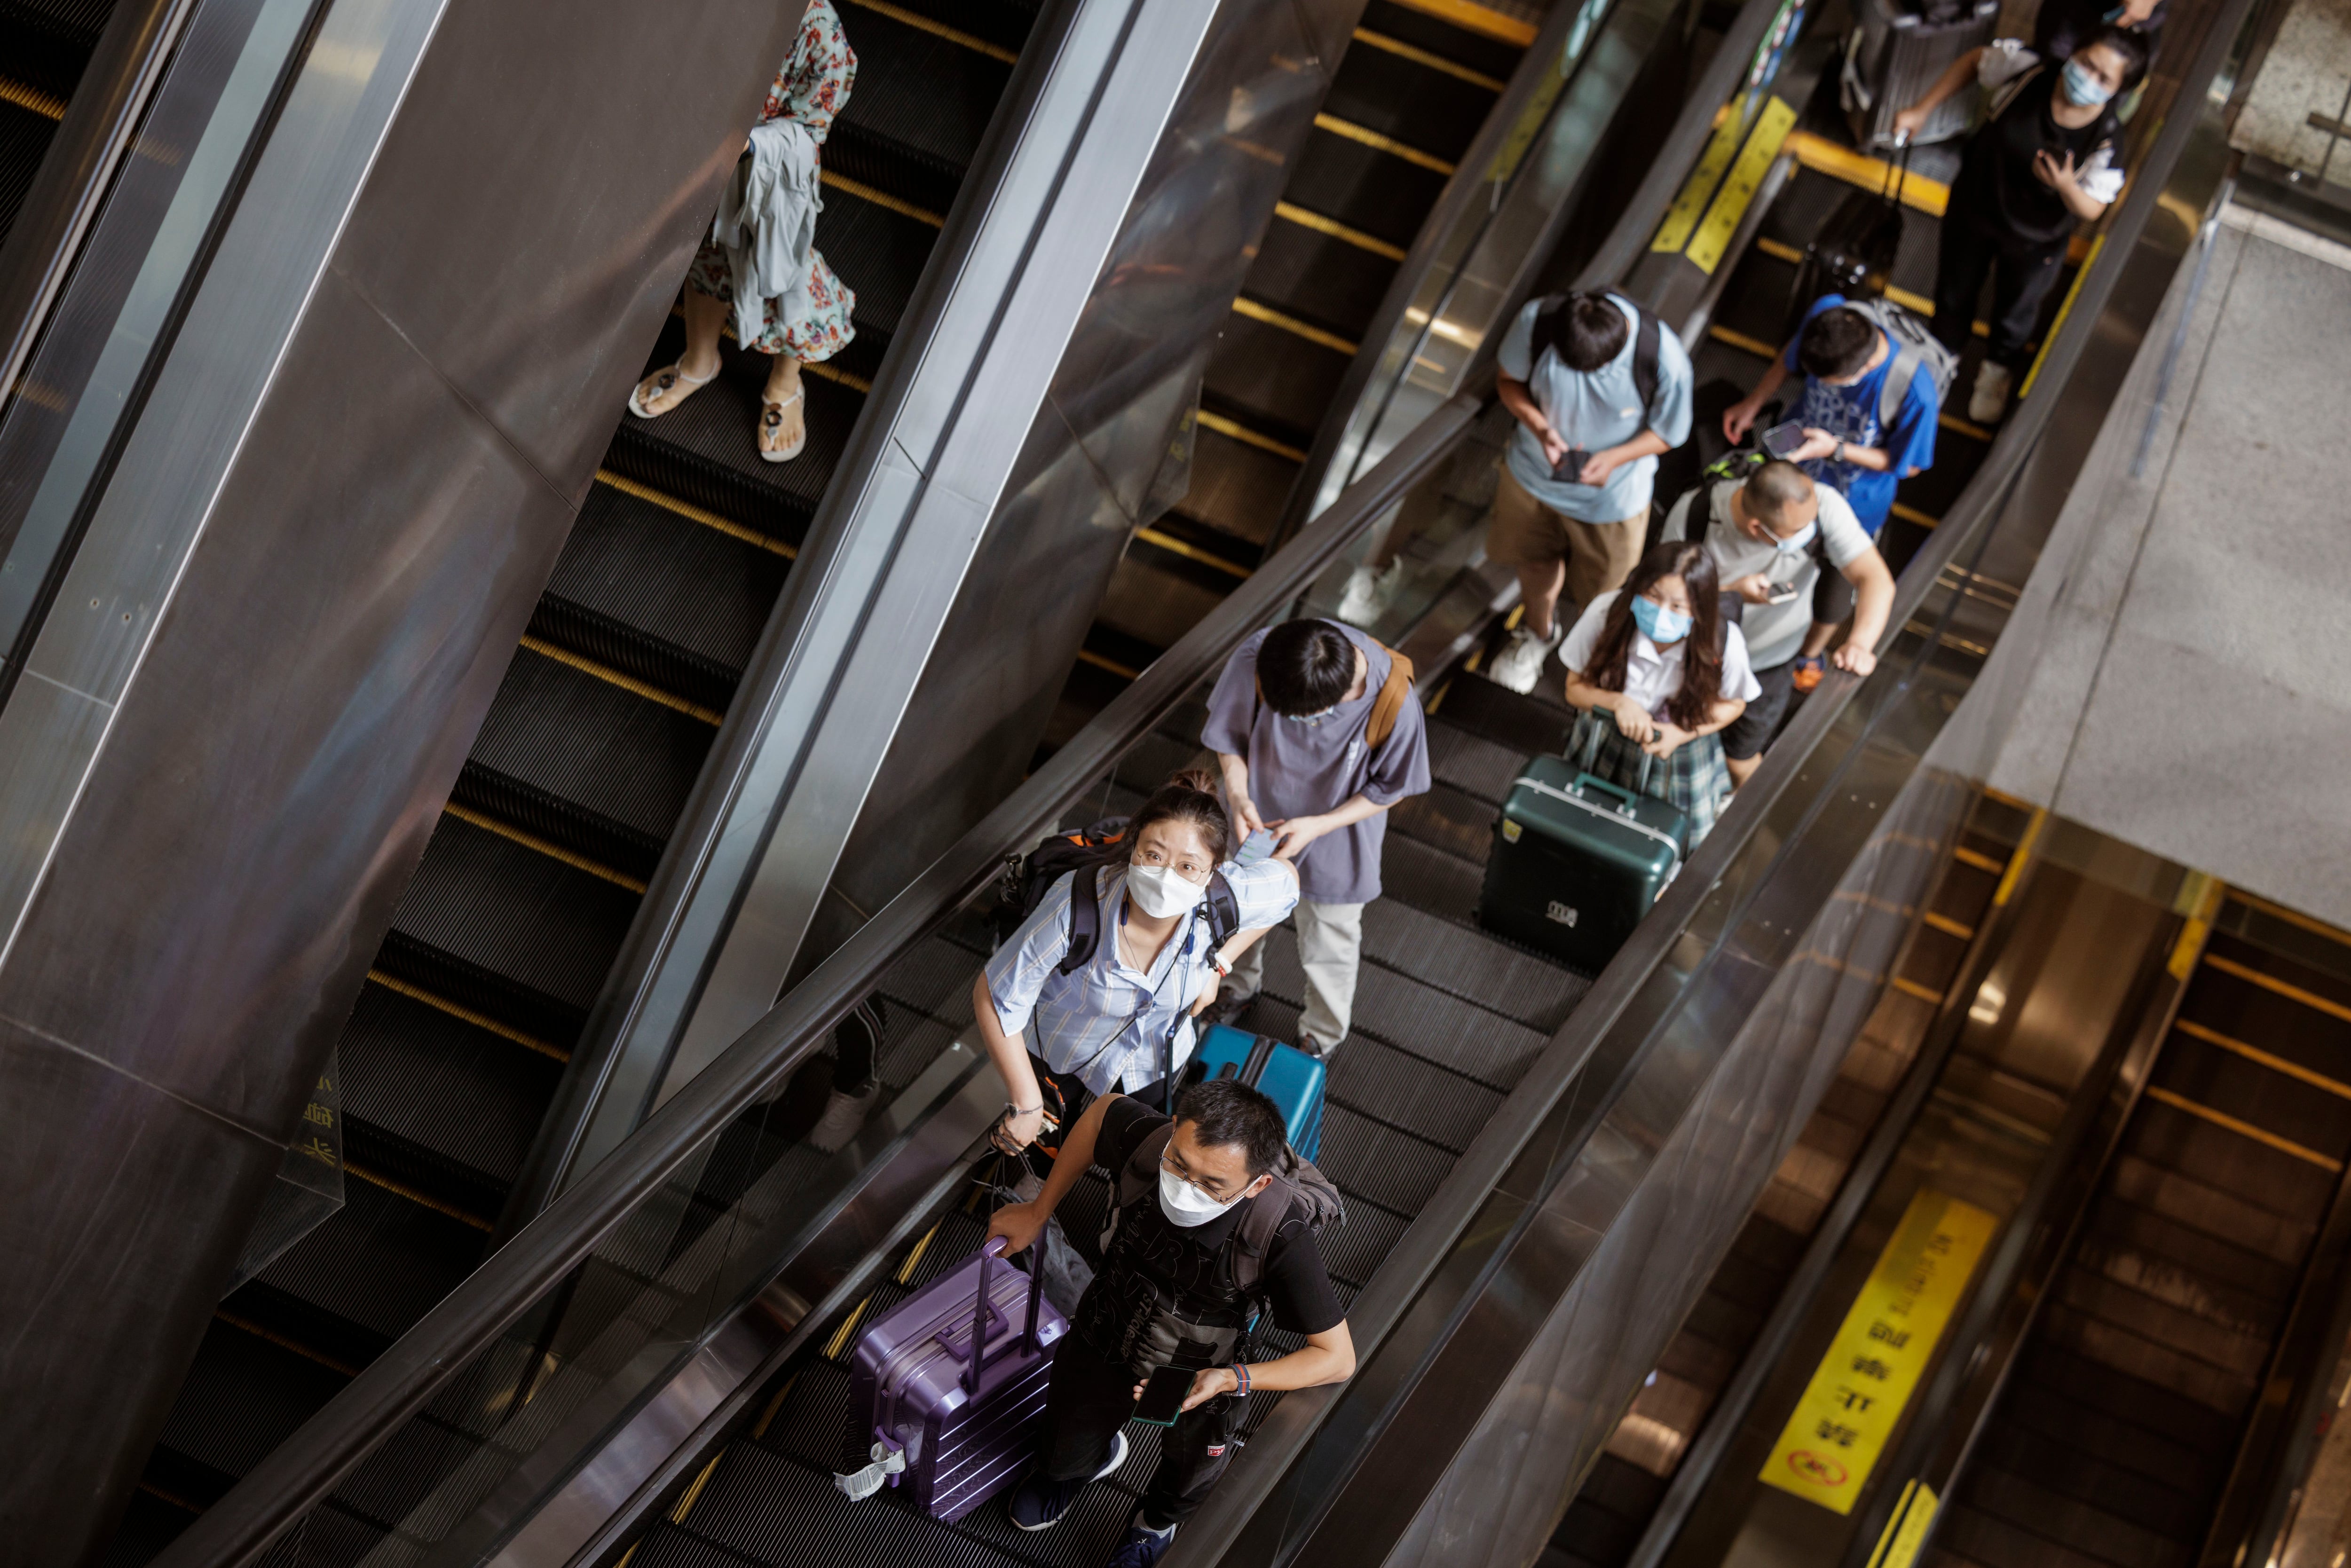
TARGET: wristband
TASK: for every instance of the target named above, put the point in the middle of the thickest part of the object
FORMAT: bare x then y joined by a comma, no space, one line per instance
1839,457
1012,1109
1223,969
1240,1375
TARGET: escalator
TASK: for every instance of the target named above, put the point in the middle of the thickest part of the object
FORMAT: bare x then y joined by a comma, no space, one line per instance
1447,1019
504,936
44,46
1418,80
2131,1396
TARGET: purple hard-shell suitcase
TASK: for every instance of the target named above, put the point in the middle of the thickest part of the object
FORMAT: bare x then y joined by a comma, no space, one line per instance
966,1429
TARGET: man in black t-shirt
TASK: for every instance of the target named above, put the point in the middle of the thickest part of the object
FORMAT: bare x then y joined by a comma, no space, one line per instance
1167,1293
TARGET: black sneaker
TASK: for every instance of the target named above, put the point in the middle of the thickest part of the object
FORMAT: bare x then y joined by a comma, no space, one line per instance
1143,1548
1041,1504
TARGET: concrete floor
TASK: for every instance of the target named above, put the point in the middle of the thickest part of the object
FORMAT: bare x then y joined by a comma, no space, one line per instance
2191,693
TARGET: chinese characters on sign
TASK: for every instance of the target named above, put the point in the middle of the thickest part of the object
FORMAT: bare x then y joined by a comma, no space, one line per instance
1839,1428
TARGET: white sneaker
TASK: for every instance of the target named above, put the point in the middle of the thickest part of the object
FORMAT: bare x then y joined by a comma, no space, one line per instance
1989,399
1369,593
1520,665
845,1116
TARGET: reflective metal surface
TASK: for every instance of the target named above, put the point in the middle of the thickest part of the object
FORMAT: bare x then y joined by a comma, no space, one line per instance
292,605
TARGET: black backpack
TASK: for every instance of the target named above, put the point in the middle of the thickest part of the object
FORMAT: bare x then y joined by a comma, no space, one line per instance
1647,331
1027,878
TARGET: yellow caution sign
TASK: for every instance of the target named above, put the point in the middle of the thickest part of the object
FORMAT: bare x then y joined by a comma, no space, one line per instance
1681,218
1898,1547
1839,1428
1737,192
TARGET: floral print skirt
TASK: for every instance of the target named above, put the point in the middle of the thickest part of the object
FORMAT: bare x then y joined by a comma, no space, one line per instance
817,336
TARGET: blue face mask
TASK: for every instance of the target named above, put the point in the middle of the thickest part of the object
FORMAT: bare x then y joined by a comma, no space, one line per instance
1657,623
2084,87
1797,542
1311,717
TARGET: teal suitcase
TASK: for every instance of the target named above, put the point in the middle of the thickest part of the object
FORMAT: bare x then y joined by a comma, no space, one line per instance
1282,1073
1577,862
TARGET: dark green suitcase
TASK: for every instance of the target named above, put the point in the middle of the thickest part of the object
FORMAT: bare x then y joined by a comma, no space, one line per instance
1577,862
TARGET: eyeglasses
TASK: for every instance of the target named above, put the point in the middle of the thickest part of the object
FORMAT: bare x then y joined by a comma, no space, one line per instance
1211,1194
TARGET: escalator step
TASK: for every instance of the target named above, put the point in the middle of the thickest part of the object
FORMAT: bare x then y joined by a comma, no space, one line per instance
935,978
2071,1471
1355,1251
917,112
23,141
1524,723
2217,1158
2219,1284
244,1396
1362,187
1280,382
75,23
1452,1034
674,602
507,930
1236,488
1157,758
2161,1319
2034,1414
1155,596
592,765
1480,769
2126,1399
457,1095
374,1267
1984,1538
2207,1212
2249,1092
1470,964
1404,1092
1449,819
2073,1525
1427,30
1393,1169
2111,1345
1432,879
880,252
399,1476
1428,111
2241,1009
149,1524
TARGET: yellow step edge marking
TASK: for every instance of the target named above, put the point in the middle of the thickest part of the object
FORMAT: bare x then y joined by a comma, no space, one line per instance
551,850
826,372
2014,872
1953,421
865,192
1747,175
2199,899
1242,433
48,106
245,1325
1418,56
1741,342
768,1417
2243,1129
1471,18
174,1499
1948,927
1389,145
1979,860
1842,162
458,1010
547,650
409,1193
694,1493
1909,988
915,1258
2291,916
691,513
1088,656
940,29
2255,1053
2310,999
841,1336
1175,546
1244,306
1913,515
1291,212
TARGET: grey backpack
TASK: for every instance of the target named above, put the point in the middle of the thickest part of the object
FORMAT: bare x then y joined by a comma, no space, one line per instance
1915,349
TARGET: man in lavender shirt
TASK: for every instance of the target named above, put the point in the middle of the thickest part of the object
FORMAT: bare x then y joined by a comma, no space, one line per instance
1288,722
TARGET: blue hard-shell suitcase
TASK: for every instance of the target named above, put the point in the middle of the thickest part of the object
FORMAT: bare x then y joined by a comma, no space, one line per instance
1282,1073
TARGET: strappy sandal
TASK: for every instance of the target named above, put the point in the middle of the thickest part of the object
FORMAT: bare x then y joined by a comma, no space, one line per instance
771,419
661,381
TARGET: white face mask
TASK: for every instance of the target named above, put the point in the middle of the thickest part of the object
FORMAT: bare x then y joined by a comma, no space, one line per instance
1160,891
1187,1205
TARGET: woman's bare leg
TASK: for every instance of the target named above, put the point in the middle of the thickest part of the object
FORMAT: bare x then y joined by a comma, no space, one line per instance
705,315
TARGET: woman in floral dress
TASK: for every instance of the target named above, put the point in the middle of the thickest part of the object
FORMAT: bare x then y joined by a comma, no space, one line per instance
811,88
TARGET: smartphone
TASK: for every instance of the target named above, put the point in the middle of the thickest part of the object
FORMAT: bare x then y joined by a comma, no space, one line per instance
1570,467
1781,592
1782,440
1257,847
1163,1396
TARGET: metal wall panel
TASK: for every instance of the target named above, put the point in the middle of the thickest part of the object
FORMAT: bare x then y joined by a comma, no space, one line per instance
291,609
1105,454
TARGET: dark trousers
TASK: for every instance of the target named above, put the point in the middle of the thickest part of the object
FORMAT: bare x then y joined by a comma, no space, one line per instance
2021,276
1066,1099
1091,1396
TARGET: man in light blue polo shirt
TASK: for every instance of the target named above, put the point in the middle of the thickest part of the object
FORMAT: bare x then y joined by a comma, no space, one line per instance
1587,378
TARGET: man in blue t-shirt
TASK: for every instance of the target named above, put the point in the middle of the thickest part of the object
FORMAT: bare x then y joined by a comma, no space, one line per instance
1844,357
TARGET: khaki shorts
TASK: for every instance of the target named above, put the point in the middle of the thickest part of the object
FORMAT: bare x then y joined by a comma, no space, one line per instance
1525,534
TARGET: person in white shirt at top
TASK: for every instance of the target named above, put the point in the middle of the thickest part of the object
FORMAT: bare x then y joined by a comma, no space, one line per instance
1578,397
1770,537
2047,158
1656,673
1123,1018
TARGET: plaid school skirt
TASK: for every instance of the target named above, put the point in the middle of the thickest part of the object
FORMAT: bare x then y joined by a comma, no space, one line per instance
1696,778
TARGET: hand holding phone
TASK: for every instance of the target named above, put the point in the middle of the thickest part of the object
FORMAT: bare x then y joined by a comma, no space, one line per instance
1784,441
1781,592
1164,1395
1570,467
1256,847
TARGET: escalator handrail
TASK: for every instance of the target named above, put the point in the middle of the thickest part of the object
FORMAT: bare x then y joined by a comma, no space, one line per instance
298,1474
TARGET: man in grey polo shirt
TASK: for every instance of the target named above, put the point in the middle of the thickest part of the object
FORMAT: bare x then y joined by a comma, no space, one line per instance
1571,509
1771,539
1313,745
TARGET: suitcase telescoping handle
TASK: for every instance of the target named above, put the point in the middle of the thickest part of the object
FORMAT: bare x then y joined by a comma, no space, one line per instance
988,1257
1589,781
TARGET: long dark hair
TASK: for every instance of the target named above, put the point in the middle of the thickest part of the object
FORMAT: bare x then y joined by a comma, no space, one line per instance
1190,797
1702,650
